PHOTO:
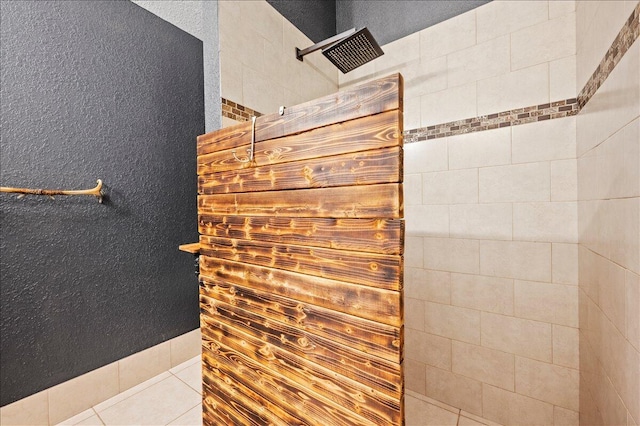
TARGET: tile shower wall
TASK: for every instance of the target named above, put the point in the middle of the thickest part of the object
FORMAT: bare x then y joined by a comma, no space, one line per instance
608,149
259,69
491,296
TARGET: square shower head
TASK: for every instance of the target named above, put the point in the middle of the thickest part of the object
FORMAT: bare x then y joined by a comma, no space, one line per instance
353,51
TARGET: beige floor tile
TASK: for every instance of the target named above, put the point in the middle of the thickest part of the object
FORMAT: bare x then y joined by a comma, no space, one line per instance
159,404
192,376
477,419
79,417
465,421
186,364
421,413
192,417
130,392
91,421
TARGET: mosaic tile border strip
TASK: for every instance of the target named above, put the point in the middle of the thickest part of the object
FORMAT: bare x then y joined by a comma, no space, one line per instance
236,111
559,109
623,41
513,117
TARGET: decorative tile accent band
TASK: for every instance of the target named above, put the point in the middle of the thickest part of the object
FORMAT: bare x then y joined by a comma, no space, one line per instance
559,109
236,111
623,41
508,118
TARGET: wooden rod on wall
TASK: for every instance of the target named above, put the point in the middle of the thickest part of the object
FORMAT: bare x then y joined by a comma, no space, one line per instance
96,191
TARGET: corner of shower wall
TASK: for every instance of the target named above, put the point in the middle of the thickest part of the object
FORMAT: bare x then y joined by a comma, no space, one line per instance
258,67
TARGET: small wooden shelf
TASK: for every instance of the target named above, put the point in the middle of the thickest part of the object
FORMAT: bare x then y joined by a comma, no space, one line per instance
193,248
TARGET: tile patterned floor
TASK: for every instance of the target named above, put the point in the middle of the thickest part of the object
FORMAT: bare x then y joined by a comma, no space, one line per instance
173,398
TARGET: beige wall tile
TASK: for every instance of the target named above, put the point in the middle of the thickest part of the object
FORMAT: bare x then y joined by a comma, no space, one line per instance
432,286
562,416
553,222
430,77
260,92
451,255
80,393
226,122
450,187
426,156
565,346
564,263
418,411
553,303
545,140
622,230
413,251
483,60
489,294
509,408
527,86
479,149
517,336
230,77
428,349
427,220
615,104
546,382
402,50
414,376
454,389
413,316
452,322
412,187
32,410
481,221
544,42
452,104
516,259
564,180
612,294
504,17
516,183
483,364
448,36
411,113
633,308
561,7
562,78
143,365
185,347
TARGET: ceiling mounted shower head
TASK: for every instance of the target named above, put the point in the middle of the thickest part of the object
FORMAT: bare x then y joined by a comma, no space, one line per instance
347,50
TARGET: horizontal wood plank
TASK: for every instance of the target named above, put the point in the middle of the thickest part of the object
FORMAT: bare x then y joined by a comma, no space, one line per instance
382,236
366,133
370,370
369,98
367,336
371,303
226,138
368,201
360,168
296,403
375,270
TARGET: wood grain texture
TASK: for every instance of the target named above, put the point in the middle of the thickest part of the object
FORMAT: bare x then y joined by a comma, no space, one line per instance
371,303
383,236
363,100
360,168
366,133
375,270
301,299
367,336
369,201
308,391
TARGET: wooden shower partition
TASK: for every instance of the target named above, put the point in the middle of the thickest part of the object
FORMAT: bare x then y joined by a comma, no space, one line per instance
301,264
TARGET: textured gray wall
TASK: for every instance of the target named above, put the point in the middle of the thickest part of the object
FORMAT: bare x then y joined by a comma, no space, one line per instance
315,18
100,89
393,19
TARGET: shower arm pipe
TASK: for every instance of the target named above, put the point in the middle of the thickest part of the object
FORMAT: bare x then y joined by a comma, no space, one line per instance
250,151
323,43
95,191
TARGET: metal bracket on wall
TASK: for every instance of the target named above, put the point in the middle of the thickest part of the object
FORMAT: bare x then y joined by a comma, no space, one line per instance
250,151
96,191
